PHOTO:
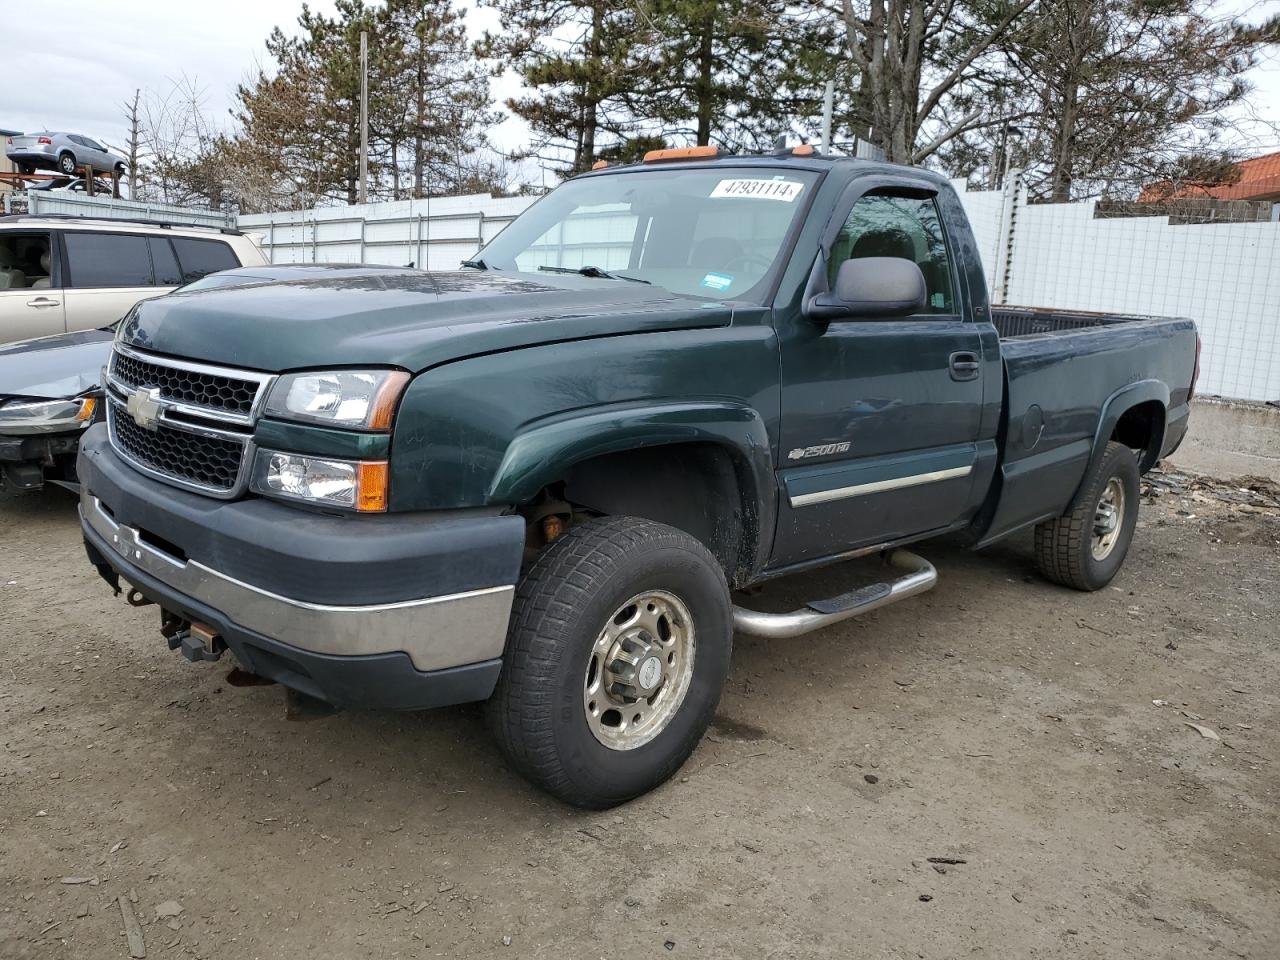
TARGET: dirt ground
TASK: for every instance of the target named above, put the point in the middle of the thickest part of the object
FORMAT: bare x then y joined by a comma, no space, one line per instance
1034,739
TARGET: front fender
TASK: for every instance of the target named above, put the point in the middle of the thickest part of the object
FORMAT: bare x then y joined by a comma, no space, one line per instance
543,451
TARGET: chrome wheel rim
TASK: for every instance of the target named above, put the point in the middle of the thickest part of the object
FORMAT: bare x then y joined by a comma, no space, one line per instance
1108,519
639,670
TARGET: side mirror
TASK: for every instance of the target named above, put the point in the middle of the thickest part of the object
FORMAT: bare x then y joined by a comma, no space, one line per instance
871,288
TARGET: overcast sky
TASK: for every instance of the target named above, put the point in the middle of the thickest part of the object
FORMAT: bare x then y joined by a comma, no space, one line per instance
76,78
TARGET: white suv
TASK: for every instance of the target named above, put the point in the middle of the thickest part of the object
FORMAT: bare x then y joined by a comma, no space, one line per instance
59,274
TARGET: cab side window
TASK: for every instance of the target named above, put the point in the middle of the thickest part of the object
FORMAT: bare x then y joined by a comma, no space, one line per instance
884,225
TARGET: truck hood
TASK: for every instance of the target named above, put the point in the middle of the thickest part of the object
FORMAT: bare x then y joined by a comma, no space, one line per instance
409,318
53,368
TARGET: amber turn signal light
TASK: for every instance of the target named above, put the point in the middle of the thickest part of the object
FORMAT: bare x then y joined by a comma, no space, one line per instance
371,486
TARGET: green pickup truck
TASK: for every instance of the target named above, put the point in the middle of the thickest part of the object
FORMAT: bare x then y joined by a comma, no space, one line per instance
543,480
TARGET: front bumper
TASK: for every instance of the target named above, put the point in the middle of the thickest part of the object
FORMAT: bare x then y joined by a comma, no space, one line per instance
403,612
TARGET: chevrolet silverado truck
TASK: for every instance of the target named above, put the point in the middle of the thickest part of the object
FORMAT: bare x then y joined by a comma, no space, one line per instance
544,479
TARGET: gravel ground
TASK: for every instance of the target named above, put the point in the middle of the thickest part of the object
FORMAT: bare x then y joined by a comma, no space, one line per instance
1034,742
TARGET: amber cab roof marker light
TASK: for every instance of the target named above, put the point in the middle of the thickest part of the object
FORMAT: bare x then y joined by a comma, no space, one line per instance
599,164
804,150
682,153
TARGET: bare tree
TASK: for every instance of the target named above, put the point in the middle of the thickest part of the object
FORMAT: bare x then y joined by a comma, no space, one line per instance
133,149
175,133
918,60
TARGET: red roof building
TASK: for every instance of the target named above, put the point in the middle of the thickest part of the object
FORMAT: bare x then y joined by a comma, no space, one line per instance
1259,180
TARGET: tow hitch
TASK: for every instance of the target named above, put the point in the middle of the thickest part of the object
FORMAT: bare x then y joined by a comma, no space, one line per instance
197,641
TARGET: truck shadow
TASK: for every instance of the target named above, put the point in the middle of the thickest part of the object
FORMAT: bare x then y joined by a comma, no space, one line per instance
448,753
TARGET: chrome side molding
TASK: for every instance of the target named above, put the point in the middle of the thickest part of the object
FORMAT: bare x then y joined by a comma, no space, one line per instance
918,576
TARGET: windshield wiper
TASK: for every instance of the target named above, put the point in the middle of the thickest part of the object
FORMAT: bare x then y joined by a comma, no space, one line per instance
477,264
591,271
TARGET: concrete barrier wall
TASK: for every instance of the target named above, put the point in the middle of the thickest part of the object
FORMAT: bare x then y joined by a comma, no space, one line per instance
1230,439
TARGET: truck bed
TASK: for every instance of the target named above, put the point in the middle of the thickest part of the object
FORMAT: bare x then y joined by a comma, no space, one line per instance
1012,321
1063,371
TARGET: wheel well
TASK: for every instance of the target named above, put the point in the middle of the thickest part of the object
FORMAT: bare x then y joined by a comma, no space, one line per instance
1141,428
695,487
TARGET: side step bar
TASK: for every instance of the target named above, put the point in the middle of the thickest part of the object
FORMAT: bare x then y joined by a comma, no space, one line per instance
918,576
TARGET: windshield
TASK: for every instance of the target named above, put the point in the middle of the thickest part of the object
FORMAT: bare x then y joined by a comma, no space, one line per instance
713,233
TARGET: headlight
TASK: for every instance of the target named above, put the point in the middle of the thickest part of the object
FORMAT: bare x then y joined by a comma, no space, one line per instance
349,484
360,399
46,416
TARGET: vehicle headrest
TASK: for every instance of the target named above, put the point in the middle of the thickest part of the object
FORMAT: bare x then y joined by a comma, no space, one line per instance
44,261
6,258
716,251
884,242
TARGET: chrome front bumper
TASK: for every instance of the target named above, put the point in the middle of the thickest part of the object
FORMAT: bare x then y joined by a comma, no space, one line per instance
435,632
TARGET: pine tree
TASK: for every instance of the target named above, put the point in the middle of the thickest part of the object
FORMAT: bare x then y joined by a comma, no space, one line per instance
734,73
579,84
440,104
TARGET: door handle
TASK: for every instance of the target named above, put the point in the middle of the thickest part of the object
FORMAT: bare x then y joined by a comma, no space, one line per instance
964,366
42,302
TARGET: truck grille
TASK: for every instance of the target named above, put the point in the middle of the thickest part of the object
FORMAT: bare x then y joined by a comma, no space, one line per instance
192,425
217,391
209,462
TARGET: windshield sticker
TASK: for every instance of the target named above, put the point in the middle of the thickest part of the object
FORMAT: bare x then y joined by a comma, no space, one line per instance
717,281
784,190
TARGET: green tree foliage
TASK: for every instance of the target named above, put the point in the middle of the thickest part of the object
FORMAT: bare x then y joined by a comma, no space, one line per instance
428,108
735,73
576,60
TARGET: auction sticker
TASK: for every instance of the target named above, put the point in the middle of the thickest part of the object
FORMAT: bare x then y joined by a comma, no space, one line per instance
784,190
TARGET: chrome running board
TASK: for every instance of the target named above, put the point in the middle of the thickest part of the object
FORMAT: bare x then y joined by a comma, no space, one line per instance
918,576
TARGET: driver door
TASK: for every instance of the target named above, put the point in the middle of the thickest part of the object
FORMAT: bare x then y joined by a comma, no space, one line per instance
880,415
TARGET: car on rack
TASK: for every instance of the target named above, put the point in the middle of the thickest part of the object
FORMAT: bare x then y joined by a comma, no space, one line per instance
61,274
546,479
69,185
64,152
51,387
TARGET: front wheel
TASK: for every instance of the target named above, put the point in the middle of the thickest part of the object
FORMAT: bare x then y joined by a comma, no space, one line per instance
619,647
1085,547
67,163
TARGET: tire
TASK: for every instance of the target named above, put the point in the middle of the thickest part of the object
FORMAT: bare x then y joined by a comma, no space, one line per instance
119,169
1070,549
26,168
563,626
67,163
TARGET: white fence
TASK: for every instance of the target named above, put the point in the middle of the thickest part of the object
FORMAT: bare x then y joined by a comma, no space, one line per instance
434,234
1224,275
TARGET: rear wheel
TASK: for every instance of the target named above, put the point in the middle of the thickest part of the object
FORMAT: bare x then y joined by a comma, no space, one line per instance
26,168
67,162
619,647
1085,547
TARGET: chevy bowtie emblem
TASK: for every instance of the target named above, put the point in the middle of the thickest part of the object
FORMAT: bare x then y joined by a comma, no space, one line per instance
144,406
